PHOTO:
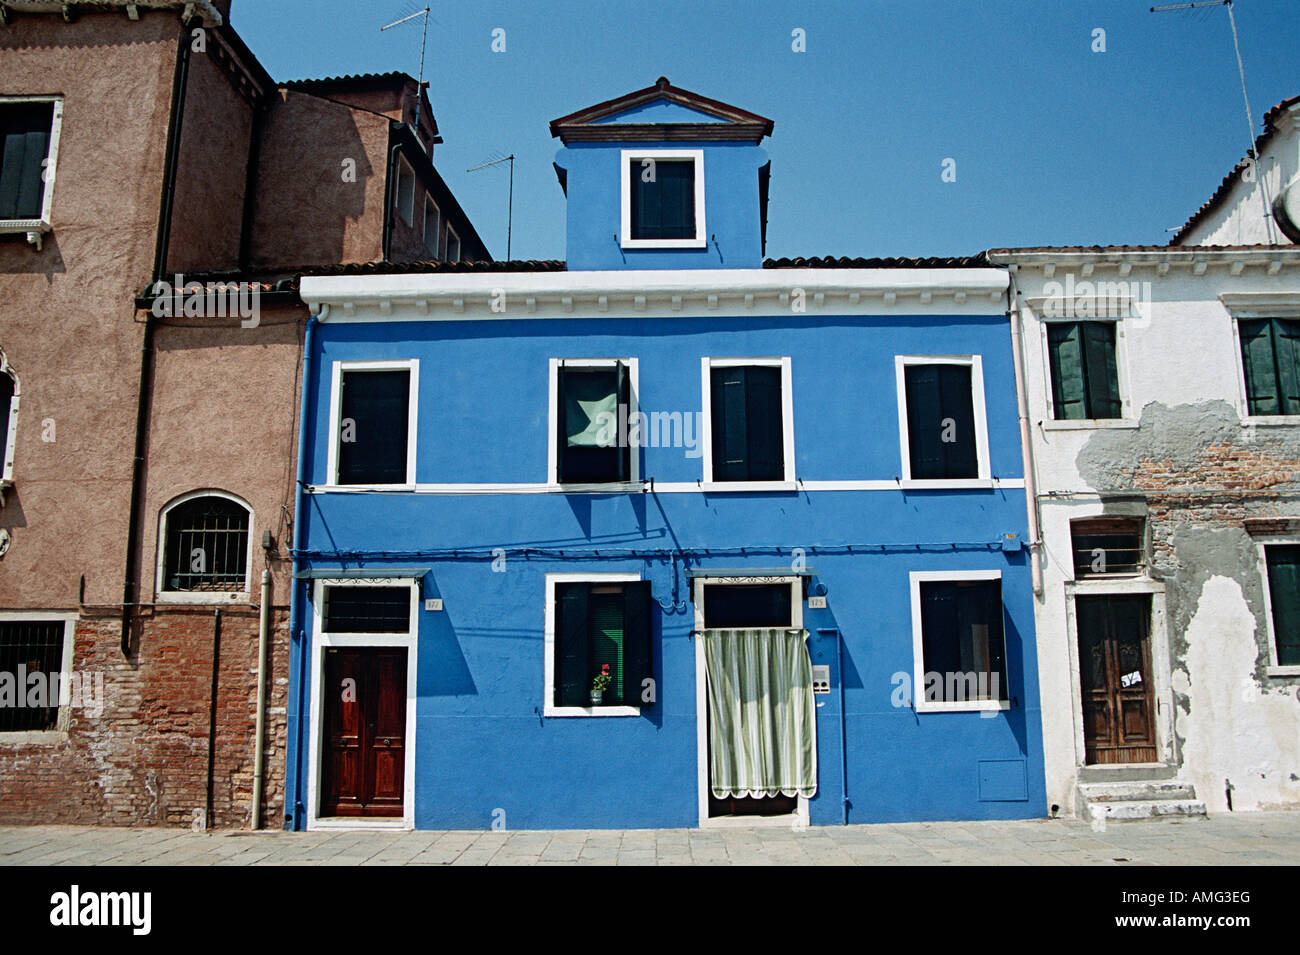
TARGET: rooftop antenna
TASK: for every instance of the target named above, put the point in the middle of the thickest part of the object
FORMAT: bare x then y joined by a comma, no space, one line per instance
510,206
424,36
1250,114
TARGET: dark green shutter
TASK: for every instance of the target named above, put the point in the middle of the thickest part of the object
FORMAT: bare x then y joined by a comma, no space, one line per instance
6,406
1284,594
959,455
1065,350
572,649
1262,394
763,416
939,650
621,437
730,424
1102,374
26,131
1286,348
924,421
637,659
562,427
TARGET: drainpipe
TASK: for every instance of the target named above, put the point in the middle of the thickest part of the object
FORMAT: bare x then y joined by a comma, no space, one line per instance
390,196
844,725
299,667
212,712
263,638
180,83
1026,448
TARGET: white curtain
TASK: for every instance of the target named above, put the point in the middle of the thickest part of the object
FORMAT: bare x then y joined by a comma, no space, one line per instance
761,714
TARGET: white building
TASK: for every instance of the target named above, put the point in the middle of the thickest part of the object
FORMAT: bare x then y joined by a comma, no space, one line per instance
1160,392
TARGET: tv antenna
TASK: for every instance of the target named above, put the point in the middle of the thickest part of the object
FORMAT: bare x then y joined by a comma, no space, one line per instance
510,203
1250,114
424,36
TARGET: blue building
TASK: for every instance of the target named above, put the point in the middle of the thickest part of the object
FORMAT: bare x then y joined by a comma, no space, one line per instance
666,536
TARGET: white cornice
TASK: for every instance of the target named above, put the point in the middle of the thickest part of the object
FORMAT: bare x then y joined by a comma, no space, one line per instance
1195,258
457,296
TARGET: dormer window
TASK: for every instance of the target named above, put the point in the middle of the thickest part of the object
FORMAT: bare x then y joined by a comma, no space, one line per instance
663,199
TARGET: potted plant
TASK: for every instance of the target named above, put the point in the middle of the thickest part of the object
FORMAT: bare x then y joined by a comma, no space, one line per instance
600,684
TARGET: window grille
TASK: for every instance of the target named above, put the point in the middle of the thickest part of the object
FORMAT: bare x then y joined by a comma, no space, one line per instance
207,546
37,647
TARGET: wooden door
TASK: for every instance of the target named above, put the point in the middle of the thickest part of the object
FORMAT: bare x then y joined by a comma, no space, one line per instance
1115,678
364,759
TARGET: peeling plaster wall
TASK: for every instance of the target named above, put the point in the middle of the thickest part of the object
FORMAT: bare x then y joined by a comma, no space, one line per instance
1185,460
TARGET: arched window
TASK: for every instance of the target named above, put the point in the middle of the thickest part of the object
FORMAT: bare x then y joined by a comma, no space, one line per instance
205,539
8,418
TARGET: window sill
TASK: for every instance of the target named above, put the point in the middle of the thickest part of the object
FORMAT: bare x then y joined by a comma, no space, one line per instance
1267,421
202,597
551,710
35,229
627,243
956,484
598,487
1283,671
973,706
33,738
1089,424
714,487
363,488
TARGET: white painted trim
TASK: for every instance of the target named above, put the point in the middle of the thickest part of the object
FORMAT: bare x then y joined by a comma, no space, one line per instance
7,452
549,707
45,223
1261,544
797,819
983,478
1157,629
436,251
162,595
320,642
667,487
921,705
404,169
412,431
701,238
60,732
553,419
637,294
708,485
1250,305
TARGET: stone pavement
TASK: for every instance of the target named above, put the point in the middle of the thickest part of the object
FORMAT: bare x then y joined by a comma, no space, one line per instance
1260,838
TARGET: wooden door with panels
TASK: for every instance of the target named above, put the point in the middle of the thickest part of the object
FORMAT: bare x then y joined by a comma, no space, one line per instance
1115,678
363,770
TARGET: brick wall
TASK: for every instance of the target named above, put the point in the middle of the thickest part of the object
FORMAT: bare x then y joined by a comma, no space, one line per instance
144,760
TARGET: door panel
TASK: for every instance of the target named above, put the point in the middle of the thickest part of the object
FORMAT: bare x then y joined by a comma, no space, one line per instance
1115,679
364,759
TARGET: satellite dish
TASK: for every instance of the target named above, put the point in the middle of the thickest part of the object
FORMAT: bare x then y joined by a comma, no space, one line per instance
1286,210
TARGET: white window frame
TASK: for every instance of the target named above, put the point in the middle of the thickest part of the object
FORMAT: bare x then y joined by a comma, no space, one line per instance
922,705
1126,419
405,206
322,641
7,471
1274,667
799,818
453,236
35,229
789,481
553,419
1282,307
164,596
413,399
627,157
549,707
437,226
60,732
984,478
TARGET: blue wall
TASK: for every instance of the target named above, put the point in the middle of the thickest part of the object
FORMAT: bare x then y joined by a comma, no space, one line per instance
481,743
594,193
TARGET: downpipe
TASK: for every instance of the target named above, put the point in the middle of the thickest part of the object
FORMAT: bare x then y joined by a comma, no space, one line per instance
1026,447
259,754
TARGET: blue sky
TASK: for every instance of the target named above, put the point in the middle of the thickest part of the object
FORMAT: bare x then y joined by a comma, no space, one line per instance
1054,144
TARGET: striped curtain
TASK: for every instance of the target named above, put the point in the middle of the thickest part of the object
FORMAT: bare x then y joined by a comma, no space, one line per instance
761,717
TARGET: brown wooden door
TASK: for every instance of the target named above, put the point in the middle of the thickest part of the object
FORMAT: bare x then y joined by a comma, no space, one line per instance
1115,678
365,732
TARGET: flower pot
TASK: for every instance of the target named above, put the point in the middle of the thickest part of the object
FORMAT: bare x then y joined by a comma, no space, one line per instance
596,696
